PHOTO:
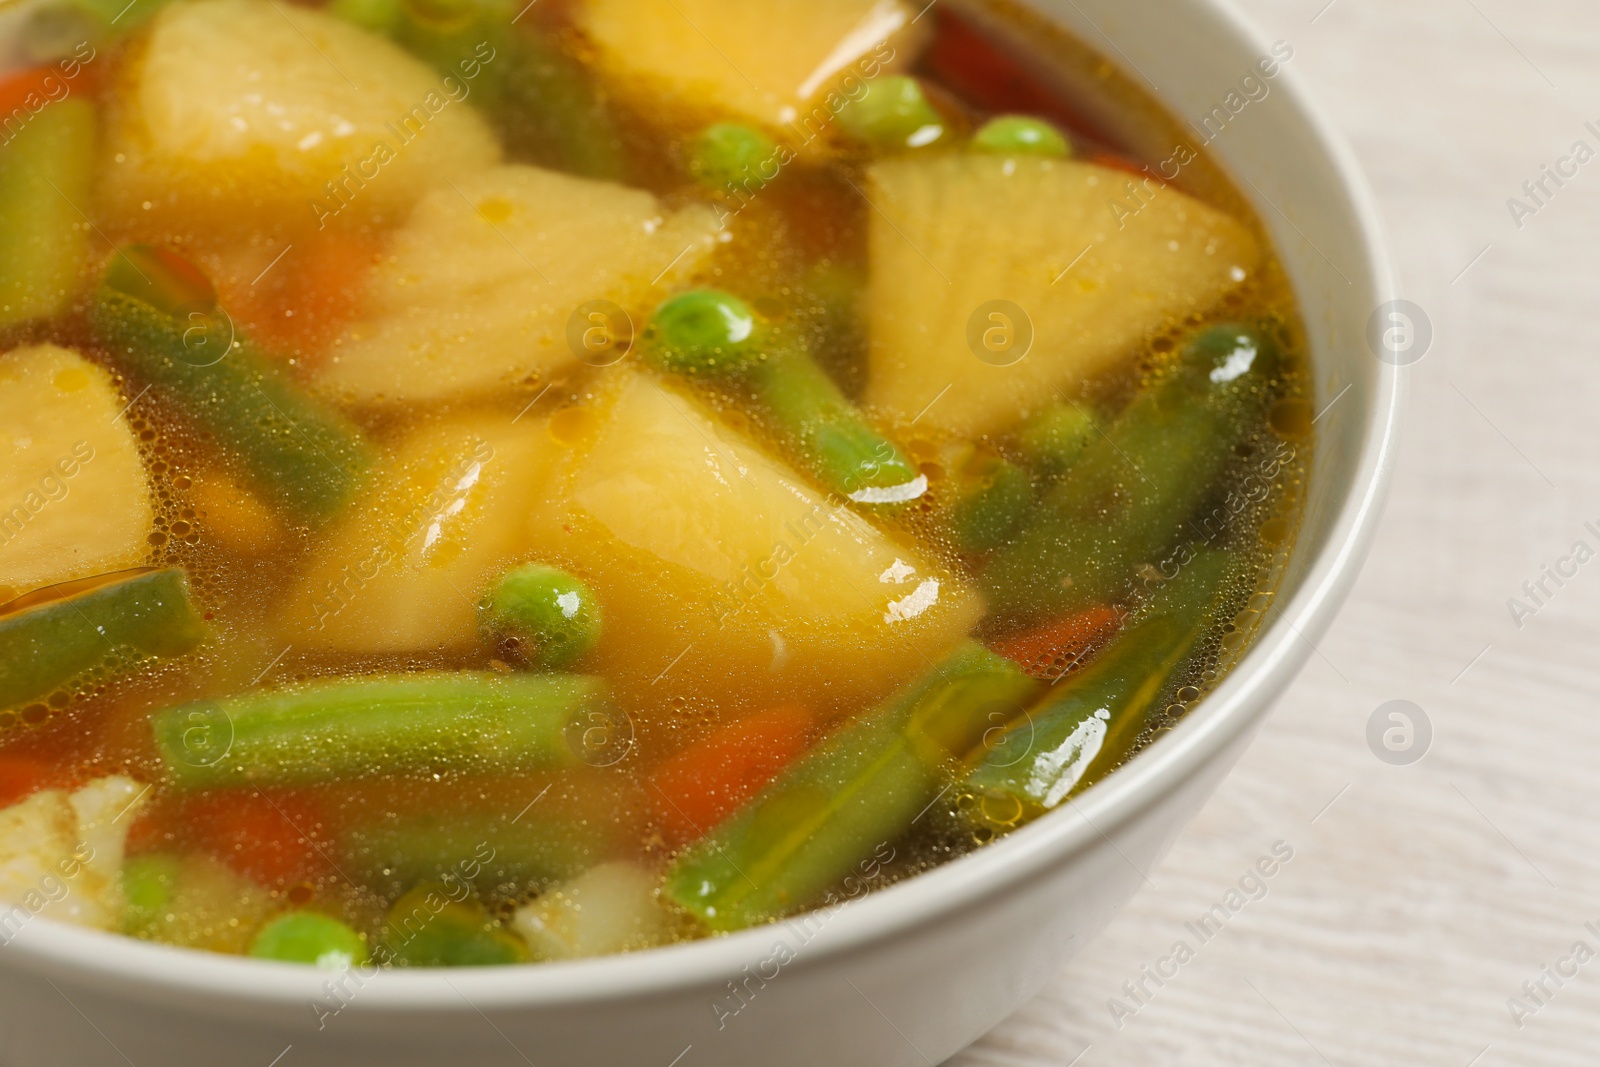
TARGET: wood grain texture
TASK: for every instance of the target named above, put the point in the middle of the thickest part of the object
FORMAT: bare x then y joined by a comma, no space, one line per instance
1425,896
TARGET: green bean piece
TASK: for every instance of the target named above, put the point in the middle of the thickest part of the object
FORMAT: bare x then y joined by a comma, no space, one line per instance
46,175
310,937
57,29
712,334
429,928
544,104
474,848
1054,440
159,318
1129,499
554,114
55,636
1021,135
827,313
852,794
1088,727
894,114
990,512
541,617
347,728
731,154
382,17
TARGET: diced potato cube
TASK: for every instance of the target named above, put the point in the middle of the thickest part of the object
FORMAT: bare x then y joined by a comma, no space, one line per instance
239,109
74,498
787,65
405,569
955,233
481,284
722,572
60,854
610,908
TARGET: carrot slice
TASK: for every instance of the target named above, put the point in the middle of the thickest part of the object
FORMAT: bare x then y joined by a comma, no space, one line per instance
1050,650
961,57
1116,162
299,304
38,83
22,776
268,838
711,779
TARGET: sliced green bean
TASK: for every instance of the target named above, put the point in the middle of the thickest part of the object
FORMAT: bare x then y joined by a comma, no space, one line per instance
473,848
993,507
1054,440
359,727
544,103
1129,498
429,928
46,175
712,334
159,318
53,636
855,792
1088,727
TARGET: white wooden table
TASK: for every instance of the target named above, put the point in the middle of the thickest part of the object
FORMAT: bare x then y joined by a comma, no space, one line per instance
1421,898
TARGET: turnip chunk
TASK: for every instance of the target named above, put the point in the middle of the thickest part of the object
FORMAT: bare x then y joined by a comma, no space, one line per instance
614,907
1089,271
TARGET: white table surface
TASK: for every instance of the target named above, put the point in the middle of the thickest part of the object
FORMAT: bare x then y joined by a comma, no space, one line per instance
1426,895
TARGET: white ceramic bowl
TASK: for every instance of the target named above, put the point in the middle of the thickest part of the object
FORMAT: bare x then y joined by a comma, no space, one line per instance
902,978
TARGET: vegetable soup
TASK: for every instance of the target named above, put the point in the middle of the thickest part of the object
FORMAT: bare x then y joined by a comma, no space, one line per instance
490,482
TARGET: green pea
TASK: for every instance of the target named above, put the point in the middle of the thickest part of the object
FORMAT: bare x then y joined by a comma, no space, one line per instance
894,113
309,937
148,885
542,616
730,154
703,331
1021,134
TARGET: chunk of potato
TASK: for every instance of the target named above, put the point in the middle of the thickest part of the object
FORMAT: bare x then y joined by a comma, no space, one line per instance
74,499
404,570
481,284
787,65
720,571
60,854
242,109
954,233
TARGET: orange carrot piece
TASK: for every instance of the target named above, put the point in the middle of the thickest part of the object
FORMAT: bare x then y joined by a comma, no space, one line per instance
39,83
1052,649
711,779
1122,163
22,776
962,57
270,839
305,300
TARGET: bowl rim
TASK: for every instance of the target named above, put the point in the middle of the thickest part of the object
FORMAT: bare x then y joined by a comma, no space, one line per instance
146,971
